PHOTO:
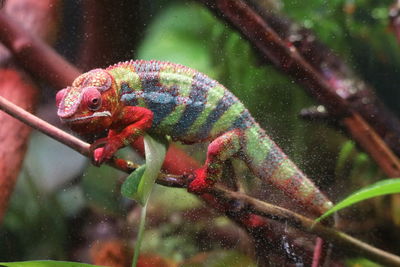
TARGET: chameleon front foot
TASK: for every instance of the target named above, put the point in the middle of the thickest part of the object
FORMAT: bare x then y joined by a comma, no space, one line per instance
103,150
200,182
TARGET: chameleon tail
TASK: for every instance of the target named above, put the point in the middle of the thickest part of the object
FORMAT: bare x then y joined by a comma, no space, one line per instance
269,162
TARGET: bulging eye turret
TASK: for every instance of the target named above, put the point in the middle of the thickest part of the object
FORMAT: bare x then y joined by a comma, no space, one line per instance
92,99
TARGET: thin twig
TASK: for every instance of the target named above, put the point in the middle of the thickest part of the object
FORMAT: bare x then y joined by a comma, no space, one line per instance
339,238
77,144
219,192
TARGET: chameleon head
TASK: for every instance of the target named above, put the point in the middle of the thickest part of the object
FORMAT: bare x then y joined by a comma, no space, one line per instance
87,105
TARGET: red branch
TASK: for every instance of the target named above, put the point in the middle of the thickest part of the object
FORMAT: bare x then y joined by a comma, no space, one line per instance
39,17
35,55
13,134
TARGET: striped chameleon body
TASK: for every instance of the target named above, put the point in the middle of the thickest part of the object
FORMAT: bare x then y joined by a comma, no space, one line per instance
134,97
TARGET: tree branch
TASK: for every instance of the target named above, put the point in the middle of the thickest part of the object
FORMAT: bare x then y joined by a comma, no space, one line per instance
338,238
361,96
34,54
248,204
39,17
287,58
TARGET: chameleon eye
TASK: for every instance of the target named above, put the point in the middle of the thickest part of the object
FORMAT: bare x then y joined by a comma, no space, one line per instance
60,95
95,103
92,99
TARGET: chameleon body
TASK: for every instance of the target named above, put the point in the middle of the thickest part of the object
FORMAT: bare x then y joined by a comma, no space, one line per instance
134,97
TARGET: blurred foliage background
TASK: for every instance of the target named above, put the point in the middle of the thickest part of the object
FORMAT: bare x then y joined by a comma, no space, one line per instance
62,205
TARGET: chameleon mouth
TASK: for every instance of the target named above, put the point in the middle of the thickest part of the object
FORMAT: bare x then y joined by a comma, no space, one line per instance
96,114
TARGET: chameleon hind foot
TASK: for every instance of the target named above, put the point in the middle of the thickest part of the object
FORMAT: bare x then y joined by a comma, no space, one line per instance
221,149
200,183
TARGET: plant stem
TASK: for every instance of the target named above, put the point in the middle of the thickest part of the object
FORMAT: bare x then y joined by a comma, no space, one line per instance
139,238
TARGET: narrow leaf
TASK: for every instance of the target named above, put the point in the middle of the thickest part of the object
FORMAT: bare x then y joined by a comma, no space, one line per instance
155,151
139,183
131,184
384,187
45,263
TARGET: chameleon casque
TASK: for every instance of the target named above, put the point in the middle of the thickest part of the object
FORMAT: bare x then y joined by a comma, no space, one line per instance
134,97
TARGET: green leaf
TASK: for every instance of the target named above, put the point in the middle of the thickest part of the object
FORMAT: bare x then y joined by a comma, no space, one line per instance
131,185
385,187
344,154
355,262
45,264
139,183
